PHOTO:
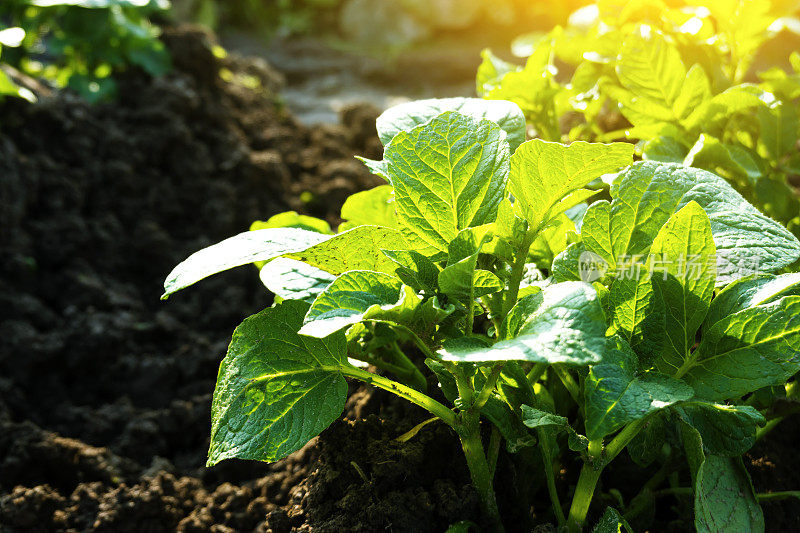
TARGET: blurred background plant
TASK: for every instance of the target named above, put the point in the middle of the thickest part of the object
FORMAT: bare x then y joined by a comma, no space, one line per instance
81,44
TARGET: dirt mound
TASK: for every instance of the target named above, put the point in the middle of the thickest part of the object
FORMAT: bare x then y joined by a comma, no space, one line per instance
105,390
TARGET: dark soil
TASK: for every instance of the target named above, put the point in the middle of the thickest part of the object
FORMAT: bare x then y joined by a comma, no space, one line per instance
105,390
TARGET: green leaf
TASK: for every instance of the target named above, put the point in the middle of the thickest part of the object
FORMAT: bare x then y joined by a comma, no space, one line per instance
543,173
638,315
293,280
567,327
490,74
414,269
647,193
537,418
779,130
405,117
750,292
646,446
566,265
290,219
683,263
355,249
711,154
348,299
664,149
695,90
448,174
726,430
372,207
754,348
361,295
247,247
721,107
724,499
612,522
651,67
275,389
616,393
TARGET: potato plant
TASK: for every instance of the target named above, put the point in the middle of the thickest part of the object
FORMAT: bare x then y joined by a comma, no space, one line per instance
657,321
678,78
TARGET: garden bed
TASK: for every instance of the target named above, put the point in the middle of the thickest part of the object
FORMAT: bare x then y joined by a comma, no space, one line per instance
105,391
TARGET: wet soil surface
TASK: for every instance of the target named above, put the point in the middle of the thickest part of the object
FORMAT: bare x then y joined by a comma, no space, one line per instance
105,391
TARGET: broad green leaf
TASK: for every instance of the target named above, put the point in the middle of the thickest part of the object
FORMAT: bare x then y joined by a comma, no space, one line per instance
650,67
727,430
405,117
543,173
361,295
448,175
275,389
638,314
567,327
648,193
379,168
683,263
293,280
724,499
750,292
291,219
490,74
348,299
779,130
711,154
754,348
616,393
664,149
247,247
537,418
647,445
372,207
596,233
552,240
566,265
414,269
355,249
721,107
509,423
612,522
641,111
695,90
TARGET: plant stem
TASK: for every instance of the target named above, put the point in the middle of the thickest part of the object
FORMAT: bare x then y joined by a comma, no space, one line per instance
494,450
769,426
488,387
412,395
416,379
569,383
761,496
517,271
549,468
590,473
383,365
479,470
536,373
775,496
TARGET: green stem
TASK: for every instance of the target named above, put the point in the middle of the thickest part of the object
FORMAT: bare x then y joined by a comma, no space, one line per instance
494,450
412,395
488,388
403,373
761,496
569,383
775,496
416,379
536,373
590,473
480,472
517,271
549,471
769,426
